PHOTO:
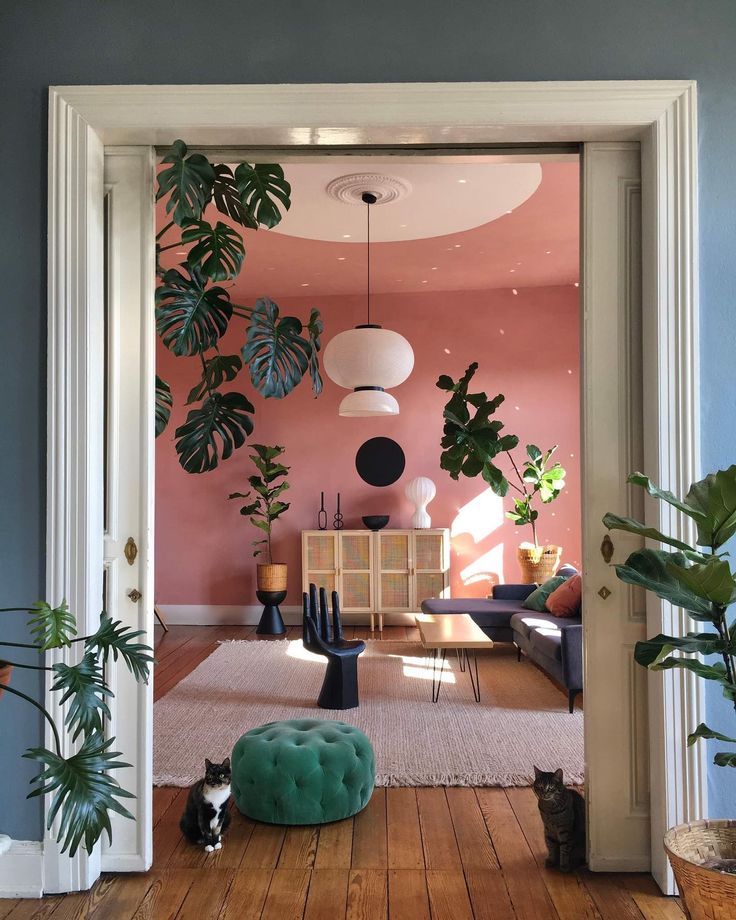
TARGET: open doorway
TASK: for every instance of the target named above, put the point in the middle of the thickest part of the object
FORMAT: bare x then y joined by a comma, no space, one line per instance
599,294
472,259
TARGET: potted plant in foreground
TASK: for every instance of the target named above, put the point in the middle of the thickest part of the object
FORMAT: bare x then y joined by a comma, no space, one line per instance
470,443
264,509
83,789
699,579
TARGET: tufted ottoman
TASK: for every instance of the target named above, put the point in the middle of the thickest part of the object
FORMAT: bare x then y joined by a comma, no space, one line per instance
304,771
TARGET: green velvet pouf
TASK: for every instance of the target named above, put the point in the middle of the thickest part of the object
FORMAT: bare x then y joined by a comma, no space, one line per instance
304,771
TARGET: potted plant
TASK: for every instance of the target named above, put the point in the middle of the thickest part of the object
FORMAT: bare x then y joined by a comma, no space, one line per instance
699,579
264,509
471,440
83,789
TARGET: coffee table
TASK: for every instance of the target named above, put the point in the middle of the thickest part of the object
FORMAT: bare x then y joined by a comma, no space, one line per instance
440,632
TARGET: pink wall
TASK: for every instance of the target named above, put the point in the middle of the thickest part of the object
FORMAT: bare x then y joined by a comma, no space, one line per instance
527,345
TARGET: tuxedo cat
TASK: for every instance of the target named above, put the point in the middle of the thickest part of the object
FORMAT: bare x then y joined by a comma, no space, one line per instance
206,815
563,817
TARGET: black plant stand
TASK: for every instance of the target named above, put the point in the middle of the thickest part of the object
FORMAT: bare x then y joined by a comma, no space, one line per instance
271,622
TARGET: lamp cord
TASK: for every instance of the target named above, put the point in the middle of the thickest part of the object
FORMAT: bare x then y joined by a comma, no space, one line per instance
369,198
368,236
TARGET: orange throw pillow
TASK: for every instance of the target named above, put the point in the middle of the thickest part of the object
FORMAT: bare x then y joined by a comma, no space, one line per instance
566,600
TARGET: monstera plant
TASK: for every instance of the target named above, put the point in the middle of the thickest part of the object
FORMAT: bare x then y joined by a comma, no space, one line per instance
194,309
472,440
82,788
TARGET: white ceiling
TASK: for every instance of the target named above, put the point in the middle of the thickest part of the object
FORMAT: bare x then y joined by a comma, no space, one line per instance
434,199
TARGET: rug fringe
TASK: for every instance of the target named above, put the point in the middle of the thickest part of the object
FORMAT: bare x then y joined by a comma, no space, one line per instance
398,780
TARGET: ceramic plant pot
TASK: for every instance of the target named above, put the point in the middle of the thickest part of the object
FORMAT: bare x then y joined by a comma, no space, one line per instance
538,563
271,577
703,857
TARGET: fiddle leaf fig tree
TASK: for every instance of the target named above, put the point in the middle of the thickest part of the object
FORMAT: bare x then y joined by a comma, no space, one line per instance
82,786
194,311
696,577
266,505
472,440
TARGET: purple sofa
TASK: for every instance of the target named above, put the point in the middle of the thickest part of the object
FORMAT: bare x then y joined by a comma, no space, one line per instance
555,644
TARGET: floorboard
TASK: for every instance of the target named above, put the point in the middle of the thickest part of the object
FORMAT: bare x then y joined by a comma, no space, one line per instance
412,854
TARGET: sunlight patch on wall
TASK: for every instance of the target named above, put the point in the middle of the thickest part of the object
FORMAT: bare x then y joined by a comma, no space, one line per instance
479,517
488,567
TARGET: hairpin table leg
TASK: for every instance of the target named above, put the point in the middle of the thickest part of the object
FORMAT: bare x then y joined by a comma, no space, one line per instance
437,678
475,682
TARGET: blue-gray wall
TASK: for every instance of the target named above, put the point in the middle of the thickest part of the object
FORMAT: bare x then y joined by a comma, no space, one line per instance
301,41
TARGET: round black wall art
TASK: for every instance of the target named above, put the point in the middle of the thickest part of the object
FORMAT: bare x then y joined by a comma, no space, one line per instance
380,461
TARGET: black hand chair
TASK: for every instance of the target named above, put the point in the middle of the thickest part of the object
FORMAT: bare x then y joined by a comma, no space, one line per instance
340,686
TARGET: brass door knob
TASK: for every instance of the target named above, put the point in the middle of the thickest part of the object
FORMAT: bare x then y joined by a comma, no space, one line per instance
135,595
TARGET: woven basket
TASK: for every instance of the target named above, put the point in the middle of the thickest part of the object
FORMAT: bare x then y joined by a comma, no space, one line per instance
538,563
707,893
271,577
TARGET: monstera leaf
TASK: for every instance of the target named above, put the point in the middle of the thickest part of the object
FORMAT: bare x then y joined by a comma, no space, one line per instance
222,416
52,627
218,251
85,691
83,790
226,197
188,182
113,638
164,403
258,186
277,354
315,327
216,371
190,318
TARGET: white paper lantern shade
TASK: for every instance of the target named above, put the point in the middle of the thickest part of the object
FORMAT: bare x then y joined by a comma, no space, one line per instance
420,492
368,360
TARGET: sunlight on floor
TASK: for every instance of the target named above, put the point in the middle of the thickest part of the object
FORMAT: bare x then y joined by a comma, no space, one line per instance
297,650
421,668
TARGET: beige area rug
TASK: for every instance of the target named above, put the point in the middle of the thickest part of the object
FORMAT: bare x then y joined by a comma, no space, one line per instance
522,718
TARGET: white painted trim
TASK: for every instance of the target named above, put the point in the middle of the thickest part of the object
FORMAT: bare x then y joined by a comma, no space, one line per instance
659,114
21,870
74,417
672,443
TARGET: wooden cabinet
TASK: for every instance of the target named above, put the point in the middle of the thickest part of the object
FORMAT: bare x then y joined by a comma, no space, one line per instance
390,571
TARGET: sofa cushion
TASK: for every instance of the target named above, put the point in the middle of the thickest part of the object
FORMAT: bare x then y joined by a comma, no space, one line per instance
566,600
484,612
547,641
527,621
537,600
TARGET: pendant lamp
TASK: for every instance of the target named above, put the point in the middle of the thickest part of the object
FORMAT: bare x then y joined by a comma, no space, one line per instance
368,359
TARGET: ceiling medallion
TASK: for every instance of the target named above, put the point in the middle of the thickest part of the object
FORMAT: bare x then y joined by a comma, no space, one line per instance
350,189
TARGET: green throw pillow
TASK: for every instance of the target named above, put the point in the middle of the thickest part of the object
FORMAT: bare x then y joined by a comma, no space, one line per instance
537,600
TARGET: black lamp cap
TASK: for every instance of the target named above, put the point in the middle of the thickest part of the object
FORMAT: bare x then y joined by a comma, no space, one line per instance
369,198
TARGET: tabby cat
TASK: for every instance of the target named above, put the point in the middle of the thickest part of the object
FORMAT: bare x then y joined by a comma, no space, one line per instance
563,817
206,814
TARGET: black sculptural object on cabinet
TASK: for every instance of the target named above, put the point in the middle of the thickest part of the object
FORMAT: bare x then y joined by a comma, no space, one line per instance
340,686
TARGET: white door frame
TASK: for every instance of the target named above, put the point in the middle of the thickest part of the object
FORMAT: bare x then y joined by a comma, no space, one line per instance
661,115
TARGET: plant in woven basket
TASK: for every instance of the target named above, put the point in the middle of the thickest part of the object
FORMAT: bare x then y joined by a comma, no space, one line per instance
472,440
194,309
268,486
696,577
82,788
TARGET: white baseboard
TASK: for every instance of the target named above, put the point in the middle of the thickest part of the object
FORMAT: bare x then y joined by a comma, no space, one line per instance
21,870
250,614
642,863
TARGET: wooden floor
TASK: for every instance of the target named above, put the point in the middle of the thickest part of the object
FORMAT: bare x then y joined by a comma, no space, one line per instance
412,854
